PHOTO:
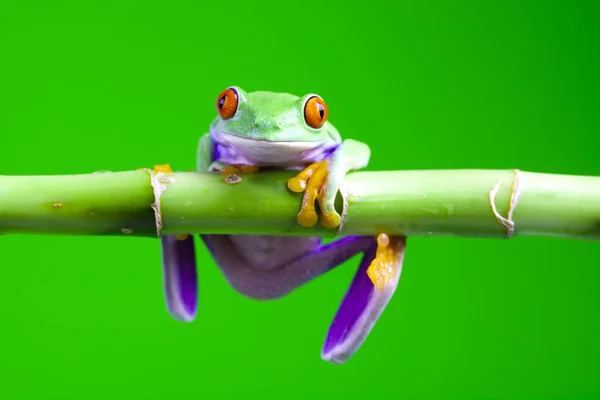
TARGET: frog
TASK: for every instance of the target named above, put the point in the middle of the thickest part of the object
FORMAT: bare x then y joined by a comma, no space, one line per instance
261,130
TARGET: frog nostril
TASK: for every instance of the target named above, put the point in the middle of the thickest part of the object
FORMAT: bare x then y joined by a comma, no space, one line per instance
261,124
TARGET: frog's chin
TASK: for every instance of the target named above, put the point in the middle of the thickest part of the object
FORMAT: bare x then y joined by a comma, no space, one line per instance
234,149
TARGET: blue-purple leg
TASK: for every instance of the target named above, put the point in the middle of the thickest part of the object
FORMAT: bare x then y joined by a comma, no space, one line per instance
363,304
179,276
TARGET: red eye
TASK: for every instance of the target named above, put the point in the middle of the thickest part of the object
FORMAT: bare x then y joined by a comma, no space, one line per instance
315,112
227,103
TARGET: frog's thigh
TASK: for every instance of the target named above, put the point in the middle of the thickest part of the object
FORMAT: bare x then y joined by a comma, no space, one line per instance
255,281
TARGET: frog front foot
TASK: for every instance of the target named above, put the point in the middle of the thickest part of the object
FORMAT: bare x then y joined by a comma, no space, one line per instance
232,172
316,183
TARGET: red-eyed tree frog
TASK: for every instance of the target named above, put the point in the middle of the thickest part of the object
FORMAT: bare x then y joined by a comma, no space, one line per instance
265,130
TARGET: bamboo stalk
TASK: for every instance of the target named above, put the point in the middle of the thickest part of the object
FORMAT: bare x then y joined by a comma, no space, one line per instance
411,203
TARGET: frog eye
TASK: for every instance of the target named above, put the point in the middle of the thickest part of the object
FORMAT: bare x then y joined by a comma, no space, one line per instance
315,112
227,103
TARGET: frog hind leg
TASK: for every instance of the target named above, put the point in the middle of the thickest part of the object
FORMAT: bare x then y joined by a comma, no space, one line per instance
180,280
369,293
297,261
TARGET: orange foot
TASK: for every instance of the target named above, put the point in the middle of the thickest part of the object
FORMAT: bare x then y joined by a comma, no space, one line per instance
312,181
165,168
236,169
232,172
383,267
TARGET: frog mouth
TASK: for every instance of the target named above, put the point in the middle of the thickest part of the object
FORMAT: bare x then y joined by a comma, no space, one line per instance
233,149
237,140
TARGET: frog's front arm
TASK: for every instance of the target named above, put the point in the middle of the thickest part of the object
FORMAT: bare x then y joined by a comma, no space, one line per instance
321,182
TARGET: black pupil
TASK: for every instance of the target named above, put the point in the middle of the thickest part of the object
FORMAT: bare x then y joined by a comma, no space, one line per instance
321,110
221,102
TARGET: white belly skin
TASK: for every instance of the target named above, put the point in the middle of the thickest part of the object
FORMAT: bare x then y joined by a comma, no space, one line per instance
265,253
269,153
234,149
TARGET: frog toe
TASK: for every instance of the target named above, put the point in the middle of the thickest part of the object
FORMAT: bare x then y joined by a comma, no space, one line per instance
318,187
330,218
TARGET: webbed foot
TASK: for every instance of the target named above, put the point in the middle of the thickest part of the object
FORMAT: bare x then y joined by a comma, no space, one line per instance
232,172
164,168
316,184
383,267
239,169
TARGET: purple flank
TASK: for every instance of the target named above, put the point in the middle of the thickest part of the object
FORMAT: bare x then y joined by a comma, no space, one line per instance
216,155
230,155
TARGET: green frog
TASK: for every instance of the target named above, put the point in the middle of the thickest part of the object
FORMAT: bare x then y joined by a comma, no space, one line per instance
264,130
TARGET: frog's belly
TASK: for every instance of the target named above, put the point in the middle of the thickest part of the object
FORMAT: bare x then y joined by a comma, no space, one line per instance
269,252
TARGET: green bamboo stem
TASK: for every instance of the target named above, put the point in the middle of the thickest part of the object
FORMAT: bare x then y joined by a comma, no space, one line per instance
412,203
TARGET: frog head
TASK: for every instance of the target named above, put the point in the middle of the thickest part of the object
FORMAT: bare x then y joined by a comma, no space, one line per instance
269,128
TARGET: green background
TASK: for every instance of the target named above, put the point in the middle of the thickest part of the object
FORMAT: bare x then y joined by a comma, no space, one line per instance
118,85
